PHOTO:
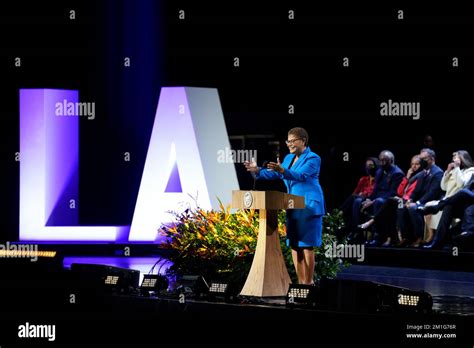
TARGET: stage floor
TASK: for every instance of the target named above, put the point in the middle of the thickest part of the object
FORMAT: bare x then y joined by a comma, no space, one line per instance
452,292
128,317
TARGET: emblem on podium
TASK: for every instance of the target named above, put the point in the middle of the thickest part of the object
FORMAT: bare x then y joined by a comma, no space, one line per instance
248,199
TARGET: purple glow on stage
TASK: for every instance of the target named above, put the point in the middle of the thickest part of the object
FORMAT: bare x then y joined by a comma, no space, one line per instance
49,165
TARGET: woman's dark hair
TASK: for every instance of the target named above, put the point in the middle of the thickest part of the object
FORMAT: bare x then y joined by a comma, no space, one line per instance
374,160
466,159
300,133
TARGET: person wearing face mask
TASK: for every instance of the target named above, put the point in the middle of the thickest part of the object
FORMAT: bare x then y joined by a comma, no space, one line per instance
365,186
387,179
300,172
364,189
386,217
457,176
427,189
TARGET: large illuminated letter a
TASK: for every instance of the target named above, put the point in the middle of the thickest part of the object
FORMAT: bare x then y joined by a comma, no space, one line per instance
182,164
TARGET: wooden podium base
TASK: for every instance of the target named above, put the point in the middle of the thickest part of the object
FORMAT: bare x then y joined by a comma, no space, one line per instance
268,275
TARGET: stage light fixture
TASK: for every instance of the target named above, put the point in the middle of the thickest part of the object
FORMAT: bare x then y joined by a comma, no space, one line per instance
221,291
153,283
41,266
27,254
218,288
419,301
301,295
111,280
408,300
369,297
103,278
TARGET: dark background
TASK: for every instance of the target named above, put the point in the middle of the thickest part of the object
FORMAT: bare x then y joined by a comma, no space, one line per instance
282,62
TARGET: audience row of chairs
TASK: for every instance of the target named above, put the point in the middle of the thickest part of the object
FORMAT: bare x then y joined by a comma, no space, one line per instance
425,207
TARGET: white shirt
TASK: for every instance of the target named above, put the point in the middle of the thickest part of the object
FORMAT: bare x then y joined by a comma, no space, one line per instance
456,180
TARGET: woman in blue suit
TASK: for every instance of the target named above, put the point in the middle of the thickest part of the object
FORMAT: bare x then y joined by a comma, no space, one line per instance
300,172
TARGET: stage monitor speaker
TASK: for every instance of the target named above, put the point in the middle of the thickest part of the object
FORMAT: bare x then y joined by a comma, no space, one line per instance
193,286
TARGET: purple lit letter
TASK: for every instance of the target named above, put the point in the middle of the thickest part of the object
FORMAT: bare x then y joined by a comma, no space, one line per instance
49,150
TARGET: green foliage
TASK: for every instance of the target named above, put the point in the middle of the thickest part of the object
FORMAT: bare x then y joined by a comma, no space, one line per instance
325,266
219,244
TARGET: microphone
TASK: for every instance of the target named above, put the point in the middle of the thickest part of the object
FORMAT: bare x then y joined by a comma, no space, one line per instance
264,165
254,176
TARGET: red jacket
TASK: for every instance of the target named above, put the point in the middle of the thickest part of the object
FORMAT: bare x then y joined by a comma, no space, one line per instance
365,186
404,190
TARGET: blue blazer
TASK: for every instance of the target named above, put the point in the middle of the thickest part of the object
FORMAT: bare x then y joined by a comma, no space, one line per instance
304,226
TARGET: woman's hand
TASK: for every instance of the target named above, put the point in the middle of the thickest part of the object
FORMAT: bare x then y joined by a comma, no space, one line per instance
367,203
450,167
276,166
251,167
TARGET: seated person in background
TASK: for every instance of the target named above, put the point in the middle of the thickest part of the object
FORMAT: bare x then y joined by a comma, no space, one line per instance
452,207
366,184
465,240
457,176
364,189
428,188
408,184
385,219
387,180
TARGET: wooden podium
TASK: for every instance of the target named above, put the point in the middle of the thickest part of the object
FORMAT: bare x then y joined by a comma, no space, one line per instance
268,275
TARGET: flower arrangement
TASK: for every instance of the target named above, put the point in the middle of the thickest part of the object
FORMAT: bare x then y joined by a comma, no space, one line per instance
219,244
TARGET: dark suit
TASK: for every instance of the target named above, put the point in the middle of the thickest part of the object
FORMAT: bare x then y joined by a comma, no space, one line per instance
387,182
386,185
456,206
468,219
428,188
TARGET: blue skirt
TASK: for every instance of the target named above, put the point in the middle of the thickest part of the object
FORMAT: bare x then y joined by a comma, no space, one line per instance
303,229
